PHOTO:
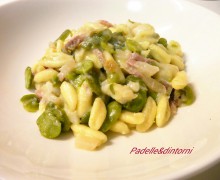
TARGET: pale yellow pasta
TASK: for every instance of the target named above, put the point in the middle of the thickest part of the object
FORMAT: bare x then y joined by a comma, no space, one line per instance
98,114
123,28
120,127
52,63
79,54
143,32
59,46
178,61
37,68
150,110
145,45
162,106
145,53
180,80
131,117
84,98
120,93
69,95
45,75
159,54
175,48
86,143
87,138
89,55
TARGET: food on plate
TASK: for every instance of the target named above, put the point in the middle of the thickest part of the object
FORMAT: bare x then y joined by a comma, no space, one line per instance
107,77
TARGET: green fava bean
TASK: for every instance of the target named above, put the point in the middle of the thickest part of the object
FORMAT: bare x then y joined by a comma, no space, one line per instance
117,40
49,125
105,35
76,80
59,114
85,67
106,47
28,78
113,113
30,102
55,81
162,41
85,118
136,79
190,95
94,83
138,103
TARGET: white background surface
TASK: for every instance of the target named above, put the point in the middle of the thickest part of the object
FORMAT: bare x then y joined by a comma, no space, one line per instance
214,172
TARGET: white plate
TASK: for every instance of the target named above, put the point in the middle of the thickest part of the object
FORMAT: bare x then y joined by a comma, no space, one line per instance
26,27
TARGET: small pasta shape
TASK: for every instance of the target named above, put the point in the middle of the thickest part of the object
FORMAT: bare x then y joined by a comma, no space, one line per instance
52,63
122,93
79,54
180,80
132,118
98,114
37,68
92,57
178,61
120,127
175,48
150,110
87,138
45,75
69,95
84,99
159,54
161,115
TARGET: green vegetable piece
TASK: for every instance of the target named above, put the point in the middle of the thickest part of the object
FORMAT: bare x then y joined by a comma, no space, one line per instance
30,102
71,77
118,40
136,79
85,118
94,83
49,125
152,94
95,40
28,78
106,47
55,81
113,78
163,41
85,67
64,35
79,80
53,121
75,80
189,96
113,113
87,43
133,45
60,115
183,96
105,35
138,103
